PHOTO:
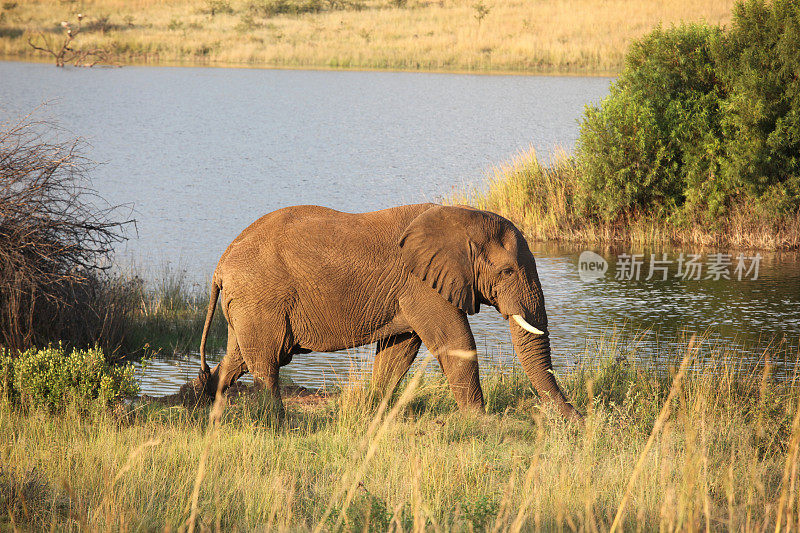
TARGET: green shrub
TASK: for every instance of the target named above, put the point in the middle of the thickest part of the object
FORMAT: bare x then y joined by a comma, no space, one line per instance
270,8
46,377
760,66
480,511
217,7
699,120
653,140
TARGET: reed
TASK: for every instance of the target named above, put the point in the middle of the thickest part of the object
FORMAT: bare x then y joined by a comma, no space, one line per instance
166,314
541,199
582,36
724,456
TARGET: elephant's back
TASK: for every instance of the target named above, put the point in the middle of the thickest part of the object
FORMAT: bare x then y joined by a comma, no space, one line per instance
314,233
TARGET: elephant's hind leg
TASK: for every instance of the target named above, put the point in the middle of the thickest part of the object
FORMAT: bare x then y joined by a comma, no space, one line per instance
231,368
264,345
393,358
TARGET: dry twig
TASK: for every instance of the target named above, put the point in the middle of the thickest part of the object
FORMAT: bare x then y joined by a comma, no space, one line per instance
56,239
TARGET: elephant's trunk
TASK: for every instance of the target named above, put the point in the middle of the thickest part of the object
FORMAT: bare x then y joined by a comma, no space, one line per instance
534,353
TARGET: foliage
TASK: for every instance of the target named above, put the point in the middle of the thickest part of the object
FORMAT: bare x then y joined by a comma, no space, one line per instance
481,511
216,7
699,120
481,10
652,141
46,377
270,8
759,64
368,513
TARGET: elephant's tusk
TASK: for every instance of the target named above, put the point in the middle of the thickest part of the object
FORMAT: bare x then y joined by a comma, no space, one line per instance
527,327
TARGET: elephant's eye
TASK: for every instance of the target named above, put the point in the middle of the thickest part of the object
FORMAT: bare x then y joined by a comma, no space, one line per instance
506,272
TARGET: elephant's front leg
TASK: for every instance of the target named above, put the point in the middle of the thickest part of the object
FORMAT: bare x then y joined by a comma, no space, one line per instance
445,331
393,358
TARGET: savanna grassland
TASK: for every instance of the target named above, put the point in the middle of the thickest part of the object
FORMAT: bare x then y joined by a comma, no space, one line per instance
579,36
708,445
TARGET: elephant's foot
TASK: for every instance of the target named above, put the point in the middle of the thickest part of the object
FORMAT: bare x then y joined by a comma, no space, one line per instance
208,382
193,393
270,392
202,390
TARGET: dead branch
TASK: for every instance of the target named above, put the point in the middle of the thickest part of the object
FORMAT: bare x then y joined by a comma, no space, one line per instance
55,240
64,53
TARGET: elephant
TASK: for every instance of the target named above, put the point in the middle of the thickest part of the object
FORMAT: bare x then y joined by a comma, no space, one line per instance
309,278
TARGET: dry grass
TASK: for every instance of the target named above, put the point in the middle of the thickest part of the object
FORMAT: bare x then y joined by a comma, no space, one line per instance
583,36
540,199
723,455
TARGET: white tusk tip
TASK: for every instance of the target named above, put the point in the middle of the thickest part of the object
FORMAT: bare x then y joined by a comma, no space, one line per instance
527,327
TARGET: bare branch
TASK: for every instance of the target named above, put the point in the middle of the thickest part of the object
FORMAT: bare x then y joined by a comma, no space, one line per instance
56,236
64,53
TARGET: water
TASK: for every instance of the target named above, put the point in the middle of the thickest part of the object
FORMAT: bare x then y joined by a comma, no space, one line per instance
199,153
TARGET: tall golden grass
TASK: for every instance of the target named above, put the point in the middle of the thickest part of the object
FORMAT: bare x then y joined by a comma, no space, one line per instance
540,199
524,36
714,446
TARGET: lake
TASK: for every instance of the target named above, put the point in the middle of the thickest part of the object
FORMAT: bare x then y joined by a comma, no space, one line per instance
196,154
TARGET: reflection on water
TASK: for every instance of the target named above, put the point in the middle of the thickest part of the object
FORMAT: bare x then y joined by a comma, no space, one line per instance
647,319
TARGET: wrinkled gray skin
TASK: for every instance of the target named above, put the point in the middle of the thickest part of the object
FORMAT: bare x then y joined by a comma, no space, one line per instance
309,278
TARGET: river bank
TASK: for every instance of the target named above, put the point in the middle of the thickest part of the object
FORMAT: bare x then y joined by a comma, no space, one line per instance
541,198
586,37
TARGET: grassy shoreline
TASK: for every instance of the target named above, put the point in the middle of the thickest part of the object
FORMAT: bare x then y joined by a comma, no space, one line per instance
540,199
587,36
322,68
723,454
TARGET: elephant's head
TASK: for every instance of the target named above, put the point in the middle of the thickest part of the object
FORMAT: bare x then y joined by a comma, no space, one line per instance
474,257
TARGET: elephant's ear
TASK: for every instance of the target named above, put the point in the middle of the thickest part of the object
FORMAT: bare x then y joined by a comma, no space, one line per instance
436,248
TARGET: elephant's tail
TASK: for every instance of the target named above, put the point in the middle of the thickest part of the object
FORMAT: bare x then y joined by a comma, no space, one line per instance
212,305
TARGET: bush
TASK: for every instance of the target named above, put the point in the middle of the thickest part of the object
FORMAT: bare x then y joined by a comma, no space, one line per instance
699,120
55,245
760,64
45,378
217,7
653,140
270,8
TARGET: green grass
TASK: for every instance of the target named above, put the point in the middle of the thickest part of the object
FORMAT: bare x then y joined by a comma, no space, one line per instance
724,456
167,314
